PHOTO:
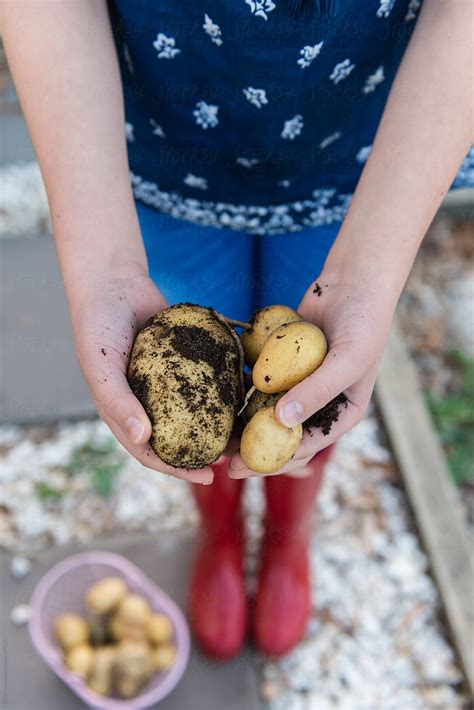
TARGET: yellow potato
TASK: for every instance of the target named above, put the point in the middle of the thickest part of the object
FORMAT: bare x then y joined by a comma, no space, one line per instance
133,667
186,369
291,353
163,657
80,660
120,630
103,596
101,678
264,322
159,629
266,445
134,610
70,630
259,400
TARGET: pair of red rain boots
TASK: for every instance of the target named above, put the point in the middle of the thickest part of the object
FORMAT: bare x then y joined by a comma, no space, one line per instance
218,607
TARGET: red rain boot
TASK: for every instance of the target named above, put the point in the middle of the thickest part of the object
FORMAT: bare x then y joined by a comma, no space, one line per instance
216,602
283,600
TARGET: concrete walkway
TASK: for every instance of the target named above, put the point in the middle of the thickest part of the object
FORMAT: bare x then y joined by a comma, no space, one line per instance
40,379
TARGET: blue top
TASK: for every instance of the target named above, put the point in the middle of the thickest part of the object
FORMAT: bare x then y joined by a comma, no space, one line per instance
241,115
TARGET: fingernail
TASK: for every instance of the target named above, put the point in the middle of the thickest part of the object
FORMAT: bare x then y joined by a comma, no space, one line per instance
135,429
237,465
291,414
208,481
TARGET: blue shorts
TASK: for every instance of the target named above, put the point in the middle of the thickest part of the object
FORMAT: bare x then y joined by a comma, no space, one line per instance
233,272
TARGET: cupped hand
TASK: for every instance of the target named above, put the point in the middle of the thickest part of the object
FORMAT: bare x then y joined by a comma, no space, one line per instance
355,317
105,321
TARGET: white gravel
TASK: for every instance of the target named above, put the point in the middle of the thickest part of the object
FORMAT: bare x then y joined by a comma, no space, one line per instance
23,205
375,639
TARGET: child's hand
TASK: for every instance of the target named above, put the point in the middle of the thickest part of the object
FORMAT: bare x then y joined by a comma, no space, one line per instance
355,320
106,318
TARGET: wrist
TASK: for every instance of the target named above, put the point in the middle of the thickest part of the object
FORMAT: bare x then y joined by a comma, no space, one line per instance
85,276
364,264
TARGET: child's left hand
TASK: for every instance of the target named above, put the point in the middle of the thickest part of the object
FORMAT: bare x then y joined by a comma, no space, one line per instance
355,319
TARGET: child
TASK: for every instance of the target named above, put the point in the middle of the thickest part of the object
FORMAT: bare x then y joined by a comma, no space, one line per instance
251,125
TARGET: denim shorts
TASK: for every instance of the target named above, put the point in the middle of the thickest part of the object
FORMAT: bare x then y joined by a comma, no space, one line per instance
233,272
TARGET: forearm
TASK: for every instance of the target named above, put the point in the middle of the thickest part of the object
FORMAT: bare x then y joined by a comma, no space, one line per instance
425,132
64,64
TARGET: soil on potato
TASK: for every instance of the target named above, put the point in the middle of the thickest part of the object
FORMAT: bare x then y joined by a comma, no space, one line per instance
325,417
198,345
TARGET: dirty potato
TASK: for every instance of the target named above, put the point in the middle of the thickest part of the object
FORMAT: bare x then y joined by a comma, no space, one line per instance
263,323
134,610
186,370
80,660
163,657
103,596
70,630
120,630
266,445
133,668
101,677
291,353
259,400
159,629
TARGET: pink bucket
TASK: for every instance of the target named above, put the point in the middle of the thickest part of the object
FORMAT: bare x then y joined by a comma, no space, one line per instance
63,588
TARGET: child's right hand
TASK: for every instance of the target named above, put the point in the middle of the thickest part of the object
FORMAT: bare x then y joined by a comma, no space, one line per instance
106,318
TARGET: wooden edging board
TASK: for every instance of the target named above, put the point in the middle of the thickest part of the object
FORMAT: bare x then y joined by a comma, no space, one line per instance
431,492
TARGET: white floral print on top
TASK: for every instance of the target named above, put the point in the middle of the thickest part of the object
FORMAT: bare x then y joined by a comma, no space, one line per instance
330,139
341,71
213,30
257,97
129,132
324,214
284,183
157,129
412,11
206,115
259,8
363,154
385,8
247,162
308,54
292,127
195,181
165,46
373,81
255,219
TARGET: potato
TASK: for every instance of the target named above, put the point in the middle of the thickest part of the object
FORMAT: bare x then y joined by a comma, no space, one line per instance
70,630
159,629
163,657
101,677
264,322
103,596
120,630
133,668
80,660
134,610
266,445
259,400
291,353
186,369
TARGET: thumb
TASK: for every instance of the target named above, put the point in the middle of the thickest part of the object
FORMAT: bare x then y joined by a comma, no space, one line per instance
114,399
338,372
